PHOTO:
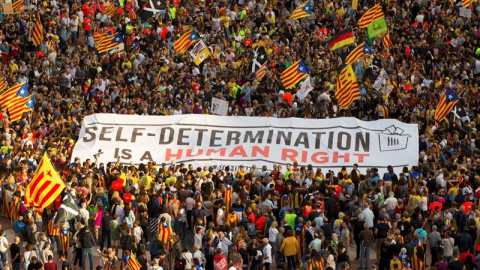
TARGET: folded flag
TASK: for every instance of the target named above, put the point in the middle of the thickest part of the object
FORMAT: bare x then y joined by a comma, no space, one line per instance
37,32
386,40
347,89
370,16
294,74
342,39
183,43
447,101
362,50
304,10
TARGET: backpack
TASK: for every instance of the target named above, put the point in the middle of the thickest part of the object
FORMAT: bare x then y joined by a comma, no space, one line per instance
258,255
179,263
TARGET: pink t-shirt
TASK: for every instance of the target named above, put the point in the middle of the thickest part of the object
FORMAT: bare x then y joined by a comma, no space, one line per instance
98,221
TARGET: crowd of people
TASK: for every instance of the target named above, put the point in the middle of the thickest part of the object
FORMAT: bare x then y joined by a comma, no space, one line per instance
292,217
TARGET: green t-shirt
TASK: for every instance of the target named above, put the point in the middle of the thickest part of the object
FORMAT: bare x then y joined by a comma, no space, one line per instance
291,220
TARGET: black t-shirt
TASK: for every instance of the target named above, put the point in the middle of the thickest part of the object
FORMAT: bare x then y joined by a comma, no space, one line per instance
455,265
65,265
35,266
198,214
15,249
382,230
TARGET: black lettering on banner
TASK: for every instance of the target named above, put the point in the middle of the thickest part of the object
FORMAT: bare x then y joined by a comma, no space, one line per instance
163,138
105,130
233,136
270,136
200,135
318,136
330,140
249,138
126,154
136,133
214,138
182,136
146,156
119,138
364,140
286,138
344,137
89,131
302,139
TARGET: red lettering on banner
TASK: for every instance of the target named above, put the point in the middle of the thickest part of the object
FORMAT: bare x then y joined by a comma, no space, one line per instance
289,154
265,152
361,157
320,157
189,153
220,152
304,156
169,155
238,151
337,156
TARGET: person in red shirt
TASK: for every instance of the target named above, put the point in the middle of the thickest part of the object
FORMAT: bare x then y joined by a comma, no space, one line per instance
464,256
50,265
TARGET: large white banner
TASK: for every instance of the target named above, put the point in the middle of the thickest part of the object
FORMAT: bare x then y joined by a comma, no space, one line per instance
218,141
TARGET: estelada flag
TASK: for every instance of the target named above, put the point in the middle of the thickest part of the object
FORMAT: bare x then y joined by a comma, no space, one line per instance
341,39
447,101
347,89
181,45
304,10
45,187
294,74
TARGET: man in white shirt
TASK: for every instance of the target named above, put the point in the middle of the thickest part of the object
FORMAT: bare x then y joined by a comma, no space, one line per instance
368,215
84,214
267,253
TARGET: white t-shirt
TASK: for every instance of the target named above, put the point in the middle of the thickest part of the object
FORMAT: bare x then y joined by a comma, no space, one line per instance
3,244
220,213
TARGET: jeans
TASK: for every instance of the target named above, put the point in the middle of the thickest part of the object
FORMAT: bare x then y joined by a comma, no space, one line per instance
4,256
291,262
86,251
54,241
16,266
364,256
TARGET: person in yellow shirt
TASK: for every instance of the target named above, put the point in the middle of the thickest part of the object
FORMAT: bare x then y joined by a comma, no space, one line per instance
289,249
171,180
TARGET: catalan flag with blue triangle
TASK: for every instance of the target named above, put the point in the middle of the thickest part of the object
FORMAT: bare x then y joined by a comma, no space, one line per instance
362,50
448,100
294,74
182,44
304,10
109,43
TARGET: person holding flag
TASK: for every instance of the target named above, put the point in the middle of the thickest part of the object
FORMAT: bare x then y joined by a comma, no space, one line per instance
65,237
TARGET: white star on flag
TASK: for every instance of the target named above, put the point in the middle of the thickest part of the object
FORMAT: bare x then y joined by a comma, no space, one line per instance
22,92
450,97
301,69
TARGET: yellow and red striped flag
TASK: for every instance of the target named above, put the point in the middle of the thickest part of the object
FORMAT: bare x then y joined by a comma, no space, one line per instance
10,96
159,77
370,16
25,105
447,101
467,3
17,6
294,74
362,50
181,45
304,10
386,40
109,43
319,263
164,232
110,9
3,84
228,198
261,71
37,33
45,186
132,262
52,45
347,88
